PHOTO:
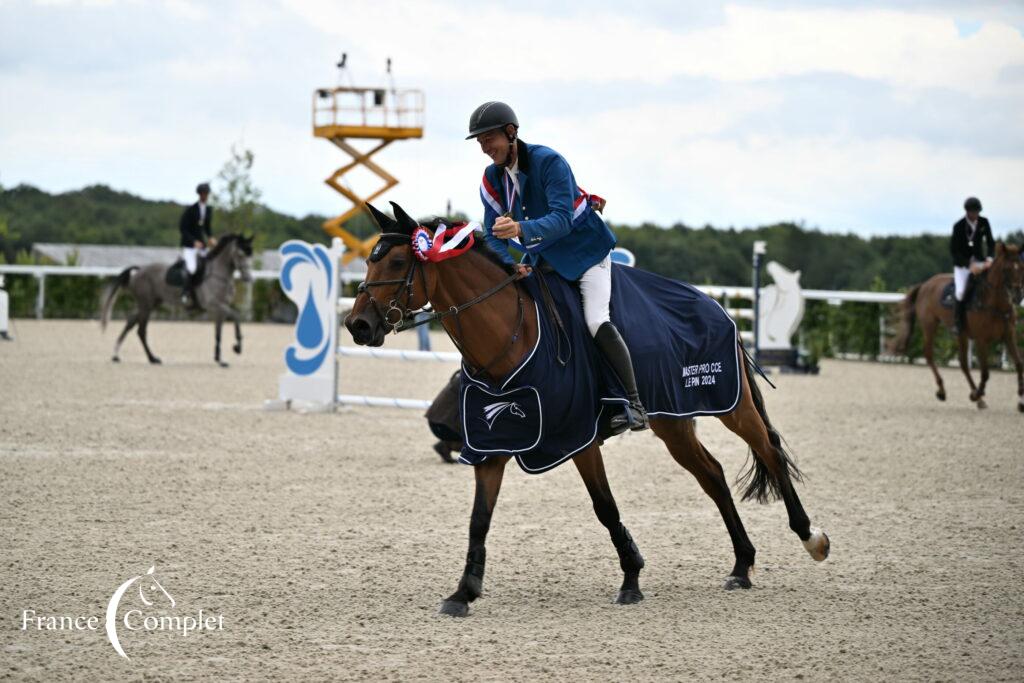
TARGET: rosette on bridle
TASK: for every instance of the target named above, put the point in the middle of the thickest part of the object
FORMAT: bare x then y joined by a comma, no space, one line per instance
444,243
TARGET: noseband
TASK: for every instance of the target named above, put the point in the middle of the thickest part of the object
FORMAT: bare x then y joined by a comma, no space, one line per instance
390,239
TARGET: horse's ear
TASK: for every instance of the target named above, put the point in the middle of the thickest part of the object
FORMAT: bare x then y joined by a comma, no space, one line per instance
405,222
385,222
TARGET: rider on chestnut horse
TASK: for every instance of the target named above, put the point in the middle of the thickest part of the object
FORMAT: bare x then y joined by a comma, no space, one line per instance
530,196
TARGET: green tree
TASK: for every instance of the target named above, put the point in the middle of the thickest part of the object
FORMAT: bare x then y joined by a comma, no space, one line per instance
237,196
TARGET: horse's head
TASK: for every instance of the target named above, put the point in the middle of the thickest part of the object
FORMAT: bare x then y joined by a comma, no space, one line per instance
392,289
1009,267
234,252
241,257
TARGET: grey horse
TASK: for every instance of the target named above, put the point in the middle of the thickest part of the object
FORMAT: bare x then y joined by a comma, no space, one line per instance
148,285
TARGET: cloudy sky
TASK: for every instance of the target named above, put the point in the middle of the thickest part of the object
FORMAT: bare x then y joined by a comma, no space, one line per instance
868,117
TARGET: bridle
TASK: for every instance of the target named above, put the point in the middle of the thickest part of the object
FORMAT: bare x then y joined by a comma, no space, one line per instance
403,309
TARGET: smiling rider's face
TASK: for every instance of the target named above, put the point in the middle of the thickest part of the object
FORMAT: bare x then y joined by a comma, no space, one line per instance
494,143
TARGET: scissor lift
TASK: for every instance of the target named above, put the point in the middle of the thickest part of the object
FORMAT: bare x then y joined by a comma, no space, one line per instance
380,114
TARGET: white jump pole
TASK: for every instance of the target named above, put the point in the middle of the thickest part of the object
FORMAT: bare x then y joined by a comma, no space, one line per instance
401,354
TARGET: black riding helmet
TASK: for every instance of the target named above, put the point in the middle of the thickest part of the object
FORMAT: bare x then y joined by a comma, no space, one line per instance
203,188
972,204
491,116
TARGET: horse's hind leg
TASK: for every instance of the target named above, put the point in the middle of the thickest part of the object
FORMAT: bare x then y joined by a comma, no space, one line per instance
488,483
929,356
129,324
591,468
143,325
680,436
772,472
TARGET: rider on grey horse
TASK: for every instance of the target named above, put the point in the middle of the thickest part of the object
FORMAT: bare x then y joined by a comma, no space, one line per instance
530,196
971,247
195,238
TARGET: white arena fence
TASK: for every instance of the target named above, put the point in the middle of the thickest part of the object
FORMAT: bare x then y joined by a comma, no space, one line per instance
737,301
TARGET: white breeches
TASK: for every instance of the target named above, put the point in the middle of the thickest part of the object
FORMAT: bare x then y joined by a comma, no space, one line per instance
191,256
960,276
596,291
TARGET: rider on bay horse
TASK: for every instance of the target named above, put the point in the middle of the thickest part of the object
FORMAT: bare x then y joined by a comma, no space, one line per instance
972,248
530,195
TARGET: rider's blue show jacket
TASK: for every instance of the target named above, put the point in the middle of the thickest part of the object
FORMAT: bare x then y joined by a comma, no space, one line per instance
555,215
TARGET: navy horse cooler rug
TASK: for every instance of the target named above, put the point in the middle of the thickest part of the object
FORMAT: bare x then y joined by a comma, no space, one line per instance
685,356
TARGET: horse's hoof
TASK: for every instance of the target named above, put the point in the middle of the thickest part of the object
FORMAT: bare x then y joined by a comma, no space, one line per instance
155,361
222,364
237,348
629,596
446,454
117,359
818,545
451,608
940,394
981,404
734,582
975,396
1020,405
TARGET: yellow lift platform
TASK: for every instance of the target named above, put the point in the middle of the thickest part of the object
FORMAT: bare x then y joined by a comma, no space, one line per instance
381,114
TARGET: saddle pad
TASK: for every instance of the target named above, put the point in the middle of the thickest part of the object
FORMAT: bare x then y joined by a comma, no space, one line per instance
684,352
948,298
176,274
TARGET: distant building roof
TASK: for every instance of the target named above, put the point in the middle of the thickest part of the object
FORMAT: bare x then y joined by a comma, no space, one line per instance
121,257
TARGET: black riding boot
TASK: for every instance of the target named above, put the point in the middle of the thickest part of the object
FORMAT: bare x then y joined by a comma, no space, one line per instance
188,292
615,351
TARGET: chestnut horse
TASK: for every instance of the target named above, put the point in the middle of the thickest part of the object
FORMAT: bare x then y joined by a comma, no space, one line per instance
992,319
492,321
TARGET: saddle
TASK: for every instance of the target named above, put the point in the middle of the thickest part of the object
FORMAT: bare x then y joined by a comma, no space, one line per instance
177,275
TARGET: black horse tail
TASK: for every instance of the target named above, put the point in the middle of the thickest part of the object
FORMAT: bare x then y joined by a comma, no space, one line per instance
759,483
907,318
110,293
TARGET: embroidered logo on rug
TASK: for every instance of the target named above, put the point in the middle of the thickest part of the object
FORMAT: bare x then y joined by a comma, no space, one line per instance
494,410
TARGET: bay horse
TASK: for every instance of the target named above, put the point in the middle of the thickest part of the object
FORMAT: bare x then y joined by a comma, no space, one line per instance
992,319
491,319
149,288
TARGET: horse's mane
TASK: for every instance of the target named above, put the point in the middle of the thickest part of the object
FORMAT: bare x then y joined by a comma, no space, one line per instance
222,244
480,246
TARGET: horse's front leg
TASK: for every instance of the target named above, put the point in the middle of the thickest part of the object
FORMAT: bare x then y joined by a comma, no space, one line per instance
591,468
218,324
982,349
1010,339
236,318
488,483
964,365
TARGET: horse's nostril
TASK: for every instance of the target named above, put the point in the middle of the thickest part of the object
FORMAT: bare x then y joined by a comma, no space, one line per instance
360,330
